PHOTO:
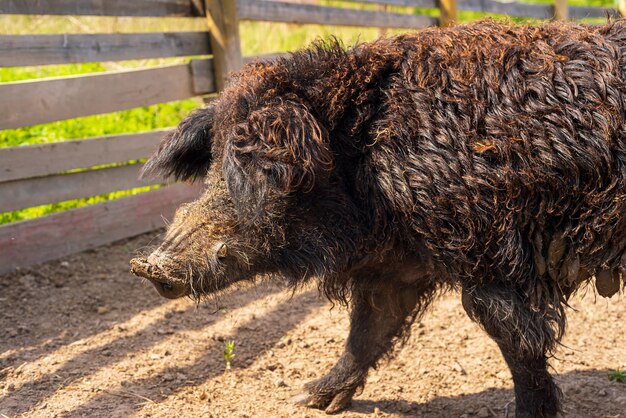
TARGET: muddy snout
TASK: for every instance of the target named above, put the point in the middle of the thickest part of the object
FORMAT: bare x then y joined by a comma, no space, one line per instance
167,286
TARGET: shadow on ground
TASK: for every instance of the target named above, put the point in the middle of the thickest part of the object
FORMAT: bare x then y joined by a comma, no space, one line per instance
498,402
73,329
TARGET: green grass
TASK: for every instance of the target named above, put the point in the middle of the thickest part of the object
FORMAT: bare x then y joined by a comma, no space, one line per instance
229,353
257,38
617,376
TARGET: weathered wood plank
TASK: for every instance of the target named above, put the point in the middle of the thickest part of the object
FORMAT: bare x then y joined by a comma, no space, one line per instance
99,7
383,32
203,76
581,12
25,193
49,237
223,24
33,102
540,11
406,3
45,159
304,13
21,50
265,57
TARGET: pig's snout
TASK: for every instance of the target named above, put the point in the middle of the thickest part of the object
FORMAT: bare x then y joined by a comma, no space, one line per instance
168,287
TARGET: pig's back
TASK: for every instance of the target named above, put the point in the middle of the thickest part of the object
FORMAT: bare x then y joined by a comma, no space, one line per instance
496,138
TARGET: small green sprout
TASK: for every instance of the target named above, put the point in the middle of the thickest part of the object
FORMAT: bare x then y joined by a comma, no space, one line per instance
229,355
617,376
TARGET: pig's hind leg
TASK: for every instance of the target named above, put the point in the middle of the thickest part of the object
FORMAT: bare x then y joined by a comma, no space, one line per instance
526,335
379,316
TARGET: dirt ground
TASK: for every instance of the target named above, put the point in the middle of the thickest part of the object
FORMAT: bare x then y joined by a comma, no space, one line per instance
82,337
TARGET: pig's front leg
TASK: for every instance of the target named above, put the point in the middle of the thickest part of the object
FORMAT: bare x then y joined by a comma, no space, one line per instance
378,317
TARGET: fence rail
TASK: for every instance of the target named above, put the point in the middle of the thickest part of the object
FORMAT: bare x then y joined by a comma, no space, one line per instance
49,100
540,11
48,173
22,50
26,193
47,159
290,12
305,13
150,8
64,233
582,12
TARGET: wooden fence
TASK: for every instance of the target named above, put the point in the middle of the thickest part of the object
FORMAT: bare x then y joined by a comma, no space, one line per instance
43,174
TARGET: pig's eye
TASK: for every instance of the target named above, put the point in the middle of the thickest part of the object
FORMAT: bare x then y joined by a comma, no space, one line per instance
183,210
222,251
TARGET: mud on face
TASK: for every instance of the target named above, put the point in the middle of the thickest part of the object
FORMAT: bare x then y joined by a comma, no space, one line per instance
200,254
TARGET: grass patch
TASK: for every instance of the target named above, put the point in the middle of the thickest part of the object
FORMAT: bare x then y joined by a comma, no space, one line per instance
617,376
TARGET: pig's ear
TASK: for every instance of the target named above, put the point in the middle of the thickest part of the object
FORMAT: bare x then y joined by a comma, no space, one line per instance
284,146
185,152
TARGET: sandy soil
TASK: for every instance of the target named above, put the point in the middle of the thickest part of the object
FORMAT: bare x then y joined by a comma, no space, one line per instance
82,337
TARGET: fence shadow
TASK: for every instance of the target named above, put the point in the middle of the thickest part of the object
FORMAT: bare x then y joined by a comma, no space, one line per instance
209,366
580,400
46,307
27,396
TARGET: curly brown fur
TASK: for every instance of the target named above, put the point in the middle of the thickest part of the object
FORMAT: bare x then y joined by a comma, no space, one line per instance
487,157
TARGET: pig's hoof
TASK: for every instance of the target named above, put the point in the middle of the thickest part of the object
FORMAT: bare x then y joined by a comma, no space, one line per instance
331,404
331,399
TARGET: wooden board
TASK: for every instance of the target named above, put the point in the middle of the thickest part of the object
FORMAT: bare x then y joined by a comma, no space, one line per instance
99,7
49,237
191,8
223,23
448,12
25,193
33,102
203,76
265,57
541,11
561,10
304,13
21,50
42,160
406,3
581,12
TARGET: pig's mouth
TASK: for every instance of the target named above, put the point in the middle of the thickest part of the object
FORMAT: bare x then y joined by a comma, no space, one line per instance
167,286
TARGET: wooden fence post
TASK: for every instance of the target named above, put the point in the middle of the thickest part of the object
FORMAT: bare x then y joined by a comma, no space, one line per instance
561,11
225,43
382,32
448,12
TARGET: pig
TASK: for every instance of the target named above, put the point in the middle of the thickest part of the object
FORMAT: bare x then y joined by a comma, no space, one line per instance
486,158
